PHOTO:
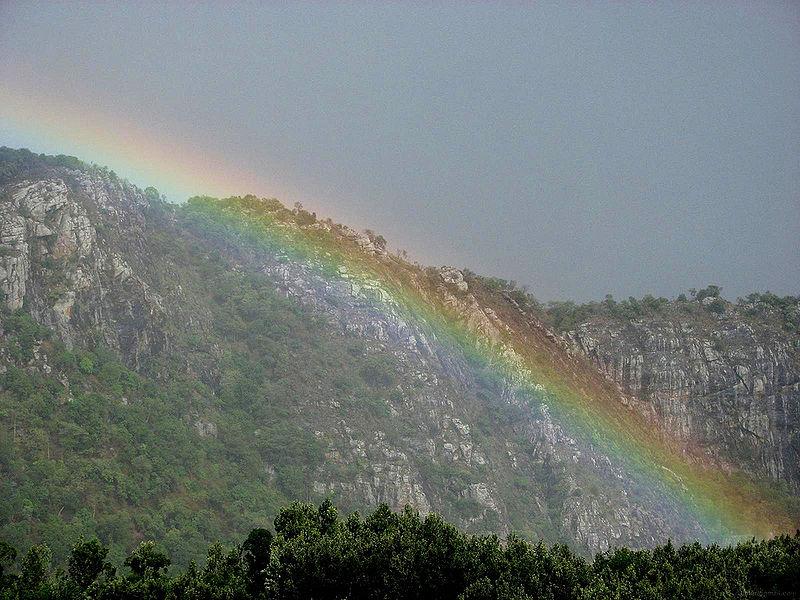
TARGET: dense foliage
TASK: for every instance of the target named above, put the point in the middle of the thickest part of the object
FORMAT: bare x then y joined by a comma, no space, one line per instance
316,554
93,447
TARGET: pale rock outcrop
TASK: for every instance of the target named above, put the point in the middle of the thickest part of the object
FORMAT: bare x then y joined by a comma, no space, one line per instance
51,260
454,277
727,386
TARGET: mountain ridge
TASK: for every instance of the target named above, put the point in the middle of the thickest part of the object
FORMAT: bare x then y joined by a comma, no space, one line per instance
88,272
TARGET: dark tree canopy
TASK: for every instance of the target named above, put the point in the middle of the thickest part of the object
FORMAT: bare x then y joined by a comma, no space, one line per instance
315,553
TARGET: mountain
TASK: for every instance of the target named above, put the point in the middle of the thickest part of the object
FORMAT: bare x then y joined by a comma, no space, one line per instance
179,372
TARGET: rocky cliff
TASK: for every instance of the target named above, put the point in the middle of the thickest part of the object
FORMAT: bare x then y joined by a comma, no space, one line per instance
726,380
283,382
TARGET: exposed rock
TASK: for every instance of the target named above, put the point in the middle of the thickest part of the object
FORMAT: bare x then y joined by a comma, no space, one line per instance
51,260
205,428
454,277
730,387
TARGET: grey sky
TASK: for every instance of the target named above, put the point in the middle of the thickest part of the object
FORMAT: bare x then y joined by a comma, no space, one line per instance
578,149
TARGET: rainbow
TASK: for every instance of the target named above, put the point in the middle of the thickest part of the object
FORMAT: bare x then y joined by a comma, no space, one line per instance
178,167
726,503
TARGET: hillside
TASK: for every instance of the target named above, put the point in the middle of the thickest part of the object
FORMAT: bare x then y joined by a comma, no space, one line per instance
180,372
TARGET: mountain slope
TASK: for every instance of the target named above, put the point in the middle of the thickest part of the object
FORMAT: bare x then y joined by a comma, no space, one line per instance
170,374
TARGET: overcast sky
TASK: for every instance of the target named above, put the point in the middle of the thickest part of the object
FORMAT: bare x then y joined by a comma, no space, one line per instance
623,148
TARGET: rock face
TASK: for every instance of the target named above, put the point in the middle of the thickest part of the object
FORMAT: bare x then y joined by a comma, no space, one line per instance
54,262
722,382
88,256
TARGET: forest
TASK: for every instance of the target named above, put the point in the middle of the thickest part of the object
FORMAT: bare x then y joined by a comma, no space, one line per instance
314,552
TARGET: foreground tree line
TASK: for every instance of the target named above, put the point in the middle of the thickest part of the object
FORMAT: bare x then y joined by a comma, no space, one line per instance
316,554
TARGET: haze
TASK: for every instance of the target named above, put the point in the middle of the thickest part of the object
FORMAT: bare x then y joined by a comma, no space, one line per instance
580,150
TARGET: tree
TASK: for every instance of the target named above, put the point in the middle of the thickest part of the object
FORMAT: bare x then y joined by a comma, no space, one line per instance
296,519
711,291
8,555
395,556
328,516
34,570
147,560
87,561
256,551
717,306
152,195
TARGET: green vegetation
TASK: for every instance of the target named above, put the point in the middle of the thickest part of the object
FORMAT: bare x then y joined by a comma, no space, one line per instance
90,447
785,310
314,553
14,163
508,288
202,441
567,315
763,309
20,163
